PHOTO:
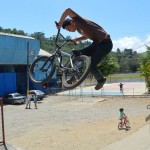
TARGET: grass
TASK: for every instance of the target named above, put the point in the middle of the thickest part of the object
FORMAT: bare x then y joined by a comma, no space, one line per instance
126,76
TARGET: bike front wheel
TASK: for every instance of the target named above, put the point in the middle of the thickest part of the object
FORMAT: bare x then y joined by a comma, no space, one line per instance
42,69
74,76
127,124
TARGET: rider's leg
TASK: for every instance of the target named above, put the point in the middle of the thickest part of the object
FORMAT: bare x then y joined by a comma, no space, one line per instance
96,58
97,53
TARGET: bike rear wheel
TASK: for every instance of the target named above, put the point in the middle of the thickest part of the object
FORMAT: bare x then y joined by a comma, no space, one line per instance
42,69
119,125
73,77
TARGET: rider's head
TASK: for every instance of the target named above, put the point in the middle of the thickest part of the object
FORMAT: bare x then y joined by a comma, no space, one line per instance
69,25
121,109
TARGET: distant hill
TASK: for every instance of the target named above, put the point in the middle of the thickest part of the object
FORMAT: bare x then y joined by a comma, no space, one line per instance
143,54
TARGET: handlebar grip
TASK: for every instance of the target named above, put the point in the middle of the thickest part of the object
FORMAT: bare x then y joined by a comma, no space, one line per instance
56,23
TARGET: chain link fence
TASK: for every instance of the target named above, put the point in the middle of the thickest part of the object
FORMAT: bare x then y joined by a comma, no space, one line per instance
134,88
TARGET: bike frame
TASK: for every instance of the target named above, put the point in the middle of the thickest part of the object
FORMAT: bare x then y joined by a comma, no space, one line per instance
123,122
76,67
58,54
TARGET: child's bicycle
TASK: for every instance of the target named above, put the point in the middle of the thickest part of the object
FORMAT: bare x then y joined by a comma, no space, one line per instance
125,124
74,71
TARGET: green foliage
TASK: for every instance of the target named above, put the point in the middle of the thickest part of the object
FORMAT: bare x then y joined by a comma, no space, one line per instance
13,31
145,68
121,76
109,65
129,60
146,57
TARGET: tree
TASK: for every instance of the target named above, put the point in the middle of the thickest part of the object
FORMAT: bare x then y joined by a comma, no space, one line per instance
128,60
1,29
41,37
109,65
145,68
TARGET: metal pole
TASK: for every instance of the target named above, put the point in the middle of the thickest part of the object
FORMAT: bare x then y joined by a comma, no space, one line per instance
27,68
2,115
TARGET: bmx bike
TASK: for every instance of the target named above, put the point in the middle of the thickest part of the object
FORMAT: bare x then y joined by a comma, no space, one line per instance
76,68
125,124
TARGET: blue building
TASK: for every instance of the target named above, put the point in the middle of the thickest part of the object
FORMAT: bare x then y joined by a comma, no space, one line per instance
52,85
13,61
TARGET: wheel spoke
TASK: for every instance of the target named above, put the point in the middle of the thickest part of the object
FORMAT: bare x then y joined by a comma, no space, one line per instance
72,77
41,69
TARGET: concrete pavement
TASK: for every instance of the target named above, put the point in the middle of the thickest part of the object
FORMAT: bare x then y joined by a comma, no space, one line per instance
139,140
9,147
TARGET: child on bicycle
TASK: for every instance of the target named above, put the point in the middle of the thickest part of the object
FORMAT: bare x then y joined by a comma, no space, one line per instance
122,114
101,46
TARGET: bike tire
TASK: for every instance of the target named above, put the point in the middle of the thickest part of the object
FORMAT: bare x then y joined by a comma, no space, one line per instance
78,75
38,75
127,124
119,126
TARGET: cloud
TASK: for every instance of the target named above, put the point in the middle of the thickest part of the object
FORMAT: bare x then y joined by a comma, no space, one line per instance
148,40
133,42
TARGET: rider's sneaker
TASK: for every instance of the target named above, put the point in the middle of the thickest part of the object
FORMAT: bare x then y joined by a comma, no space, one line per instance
100,84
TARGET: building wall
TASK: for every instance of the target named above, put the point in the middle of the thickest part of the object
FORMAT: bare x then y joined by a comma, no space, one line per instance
7,83
13,61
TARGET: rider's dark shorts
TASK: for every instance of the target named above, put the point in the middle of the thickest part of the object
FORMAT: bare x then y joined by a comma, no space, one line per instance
98,51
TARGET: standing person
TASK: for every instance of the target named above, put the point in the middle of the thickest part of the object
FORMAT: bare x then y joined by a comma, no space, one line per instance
35,100
28,101
100,47
121,87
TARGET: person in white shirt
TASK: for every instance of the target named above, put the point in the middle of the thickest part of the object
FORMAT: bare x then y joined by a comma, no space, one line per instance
28,101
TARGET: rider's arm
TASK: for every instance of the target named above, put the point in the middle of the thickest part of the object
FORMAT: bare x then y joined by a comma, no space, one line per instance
124,115
68,12
79,39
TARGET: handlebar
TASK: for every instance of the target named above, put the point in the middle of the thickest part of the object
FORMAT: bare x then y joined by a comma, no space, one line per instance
58,33
56,23
66,40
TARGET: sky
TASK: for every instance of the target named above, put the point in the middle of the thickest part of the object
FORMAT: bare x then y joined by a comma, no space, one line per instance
127,21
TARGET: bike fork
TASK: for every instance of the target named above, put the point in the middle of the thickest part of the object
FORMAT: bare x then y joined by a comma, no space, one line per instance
42,68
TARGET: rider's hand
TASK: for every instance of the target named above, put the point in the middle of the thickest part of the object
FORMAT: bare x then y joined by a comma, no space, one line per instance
58,25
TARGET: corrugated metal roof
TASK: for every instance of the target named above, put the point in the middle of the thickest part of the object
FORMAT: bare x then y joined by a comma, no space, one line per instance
15,35
13,49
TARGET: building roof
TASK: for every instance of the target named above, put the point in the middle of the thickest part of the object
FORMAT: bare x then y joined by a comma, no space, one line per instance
15,35
44,53
14,49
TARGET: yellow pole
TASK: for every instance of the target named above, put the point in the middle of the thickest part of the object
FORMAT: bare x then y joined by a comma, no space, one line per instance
27,69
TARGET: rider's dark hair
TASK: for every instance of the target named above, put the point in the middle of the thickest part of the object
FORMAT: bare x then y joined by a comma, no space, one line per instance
121,109
67,22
